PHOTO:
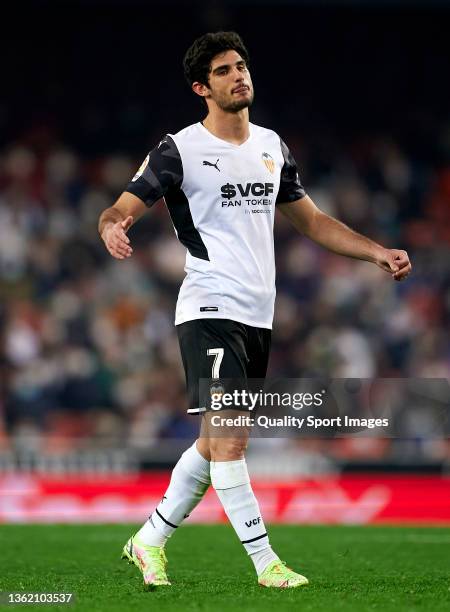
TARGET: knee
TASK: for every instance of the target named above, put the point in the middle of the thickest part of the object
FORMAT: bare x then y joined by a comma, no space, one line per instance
203,448
227,449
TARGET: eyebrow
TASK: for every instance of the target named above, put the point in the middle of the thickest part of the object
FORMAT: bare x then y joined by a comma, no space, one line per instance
222,66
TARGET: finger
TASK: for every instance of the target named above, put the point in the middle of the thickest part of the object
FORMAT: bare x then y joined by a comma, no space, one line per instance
126,223
403,273
401,258
121,245
391,268
115,254
124,237
393,265
118,250
405,264
119,234
122,252
389,262
387,267
118,231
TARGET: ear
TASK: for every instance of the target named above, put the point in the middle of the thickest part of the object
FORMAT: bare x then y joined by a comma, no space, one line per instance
200,89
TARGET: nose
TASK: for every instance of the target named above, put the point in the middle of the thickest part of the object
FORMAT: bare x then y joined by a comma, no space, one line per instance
238,74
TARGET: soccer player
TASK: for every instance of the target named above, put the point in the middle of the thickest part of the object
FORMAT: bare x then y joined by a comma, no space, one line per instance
221,179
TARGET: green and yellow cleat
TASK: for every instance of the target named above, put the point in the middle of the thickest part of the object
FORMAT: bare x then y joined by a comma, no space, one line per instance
277,575
150,560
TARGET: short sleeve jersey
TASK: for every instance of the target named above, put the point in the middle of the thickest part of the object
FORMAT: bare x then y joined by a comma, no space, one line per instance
221,198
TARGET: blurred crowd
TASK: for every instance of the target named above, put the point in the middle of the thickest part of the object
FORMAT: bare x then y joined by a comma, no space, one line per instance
88,351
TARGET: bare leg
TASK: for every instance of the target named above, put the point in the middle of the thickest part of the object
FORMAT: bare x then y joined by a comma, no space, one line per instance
230,479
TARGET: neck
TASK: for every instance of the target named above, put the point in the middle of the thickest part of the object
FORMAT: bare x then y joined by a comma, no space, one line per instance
232,127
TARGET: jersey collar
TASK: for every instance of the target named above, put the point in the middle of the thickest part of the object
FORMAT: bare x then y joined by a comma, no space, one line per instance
222,141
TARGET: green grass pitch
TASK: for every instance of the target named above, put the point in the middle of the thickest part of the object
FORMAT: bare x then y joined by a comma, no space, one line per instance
350,568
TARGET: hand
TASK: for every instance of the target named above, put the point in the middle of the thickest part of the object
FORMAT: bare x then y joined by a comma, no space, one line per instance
396,262
115,238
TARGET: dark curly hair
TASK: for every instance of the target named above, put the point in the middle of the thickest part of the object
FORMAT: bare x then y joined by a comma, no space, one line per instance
197,61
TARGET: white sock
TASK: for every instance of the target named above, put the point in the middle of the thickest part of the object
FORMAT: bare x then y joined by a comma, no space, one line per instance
231,481
262,558
189,482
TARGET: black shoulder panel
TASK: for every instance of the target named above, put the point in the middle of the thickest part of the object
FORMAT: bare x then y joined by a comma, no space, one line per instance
161,170
291,188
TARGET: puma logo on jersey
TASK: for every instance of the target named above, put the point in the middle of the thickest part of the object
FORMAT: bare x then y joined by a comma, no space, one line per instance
207,163
253,522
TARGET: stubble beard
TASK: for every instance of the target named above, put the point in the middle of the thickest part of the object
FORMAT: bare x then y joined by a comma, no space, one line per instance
235,106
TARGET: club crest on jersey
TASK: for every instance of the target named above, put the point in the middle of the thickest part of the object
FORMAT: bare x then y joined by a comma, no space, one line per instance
141,169
268,162
217,390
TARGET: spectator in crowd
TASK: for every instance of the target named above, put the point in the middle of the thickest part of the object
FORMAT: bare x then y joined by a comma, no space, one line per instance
88,352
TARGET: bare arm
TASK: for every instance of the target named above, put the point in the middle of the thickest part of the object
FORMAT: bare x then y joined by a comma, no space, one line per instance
160,172
337,237
115,221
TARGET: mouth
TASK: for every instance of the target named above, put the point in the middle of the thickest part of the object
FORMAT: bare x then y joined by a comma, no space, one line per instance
240,89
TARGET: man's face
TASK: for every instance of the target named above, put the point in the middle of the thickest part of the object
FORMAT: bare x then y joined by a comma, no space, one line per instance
230,84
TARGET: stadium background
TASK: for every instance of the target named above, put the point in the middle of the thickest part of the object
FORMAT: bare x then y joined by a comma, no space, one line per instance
92,402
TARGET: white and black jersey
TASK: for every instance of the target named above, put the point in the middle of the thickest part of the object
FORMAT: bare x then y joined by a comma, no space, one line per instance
221,198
